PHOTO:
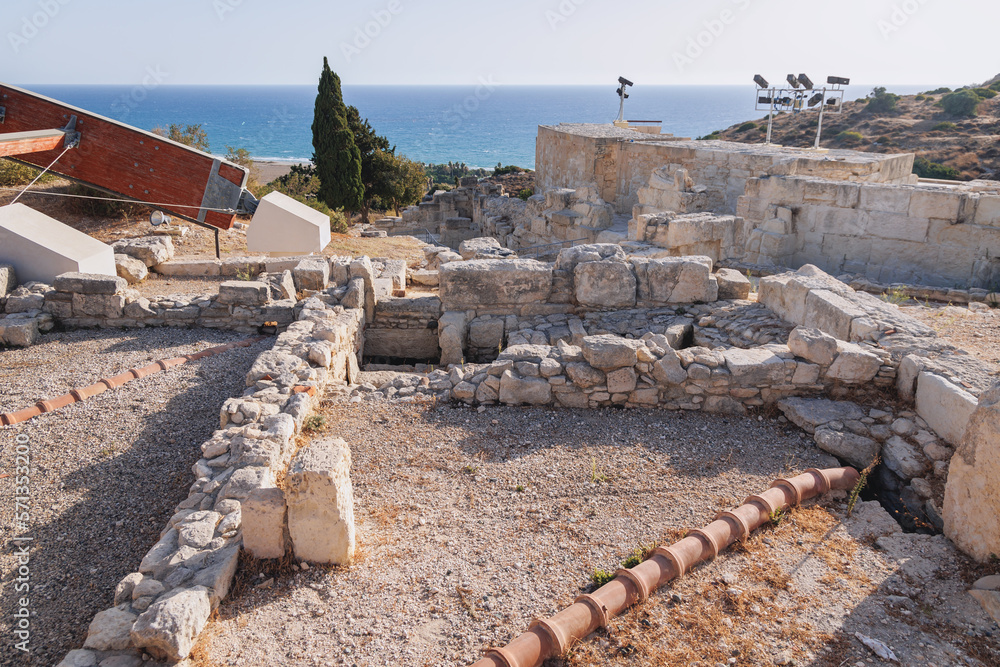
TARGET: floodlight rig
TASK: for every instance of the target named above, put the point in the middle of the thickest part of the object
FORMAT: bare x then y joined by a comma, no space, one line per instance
797,98
623,83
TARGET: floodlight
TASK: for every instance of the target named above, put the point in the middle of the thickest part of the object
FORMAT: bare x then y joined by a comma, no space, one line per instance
760,81
157,218
832,102
792,81
625,82
815,99
838,81
806,82
785,101
765,100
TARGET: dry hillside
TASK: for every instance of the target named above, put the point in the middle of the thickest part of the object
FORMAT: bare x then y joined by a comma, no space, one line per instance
969,145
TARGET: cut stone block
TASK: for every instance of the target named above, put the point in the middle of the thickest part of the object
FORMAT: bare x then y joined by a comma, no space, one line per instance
244,293
312,274
483,282
321,503
89,283
41,248
168,629
972,493
265,523
732,284
190,267
150,250
605,284
284,226
944,406
8,279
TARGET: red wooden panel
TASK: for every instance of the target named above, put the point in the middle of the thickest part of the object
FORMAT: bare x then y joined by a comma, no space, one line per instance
15,143
119,158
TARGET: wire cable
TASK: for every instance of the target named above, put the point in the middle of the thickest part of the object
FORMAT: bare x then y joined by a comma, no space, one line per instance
129,201
43,173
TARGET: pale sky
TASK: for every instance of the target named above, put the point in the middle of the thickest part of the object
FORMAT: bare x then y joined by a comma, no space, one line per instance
510,42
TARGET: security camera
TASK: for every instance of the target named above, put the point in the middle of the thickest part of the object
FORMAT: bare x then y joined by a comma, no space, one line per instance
625,82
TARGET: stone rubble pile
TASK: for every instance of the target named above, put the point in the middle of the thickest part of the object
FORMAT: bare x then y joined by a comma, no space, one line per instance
25,319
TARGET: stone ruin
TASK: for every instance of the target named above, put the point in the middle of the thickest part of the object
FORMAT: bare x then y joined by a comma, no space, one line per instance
644,303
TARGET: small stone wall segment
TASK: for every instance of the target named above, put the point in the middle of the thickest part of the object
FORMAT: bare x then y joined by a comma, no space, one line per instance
812,298
607,370
943,385
25,319
161,608
971,501
923,234
559,215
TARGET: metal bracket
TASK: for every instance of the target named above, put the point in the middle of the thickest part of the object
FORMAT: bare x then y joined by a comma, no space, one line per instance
248,203
220,193
72,136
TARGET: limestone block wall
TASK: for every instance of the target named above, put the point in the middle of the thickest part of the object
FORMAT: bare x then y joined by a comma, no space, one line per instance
162,607
619,164
478,296
925,234
723,168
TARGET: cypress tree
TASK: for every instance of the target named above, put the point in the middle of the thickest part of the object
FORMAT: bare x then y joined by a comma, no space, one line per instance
336,156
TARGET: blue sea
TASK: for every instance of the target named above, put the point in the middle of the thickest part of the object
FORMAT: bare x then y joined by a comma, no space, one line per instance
480,125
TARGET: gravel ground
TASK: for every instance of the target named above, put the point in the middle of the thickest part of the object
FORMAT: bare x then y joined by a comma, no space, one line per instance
106,473
976,332
471,524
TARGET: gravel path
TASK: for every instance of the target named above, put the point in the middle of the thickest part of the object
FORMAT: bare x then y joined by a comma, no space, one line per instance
107,473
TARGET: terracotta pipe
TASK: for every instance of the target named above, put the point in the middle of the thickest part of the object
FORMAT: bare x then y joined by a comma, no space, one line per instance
81,394
554,636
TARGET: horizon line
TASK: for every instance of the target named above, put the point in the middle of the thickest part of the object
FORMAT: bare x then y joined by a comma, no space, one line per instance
447,85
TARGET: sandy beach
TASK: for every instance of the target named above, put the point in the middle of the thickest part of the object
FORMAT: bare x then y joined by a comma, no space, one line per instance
270,170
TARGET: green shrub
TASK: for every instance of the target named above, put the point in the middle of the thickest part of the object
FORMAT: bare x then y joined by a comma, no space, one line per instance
338,221
962,103
850,138
938,91
924,168
946,126
525,194
920,98
750,125
985,93
995,86
711,137
15,174
501,170
880,101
